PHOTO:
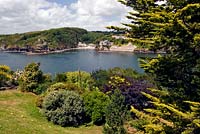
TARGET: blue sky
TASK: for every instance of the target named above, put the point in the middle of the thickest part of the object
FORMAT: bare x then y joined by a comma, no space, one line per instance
17,16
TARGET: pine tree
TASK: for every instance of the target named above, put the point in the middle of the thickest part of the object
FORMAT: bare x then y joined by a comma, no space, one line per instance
174,27
179,69
168,118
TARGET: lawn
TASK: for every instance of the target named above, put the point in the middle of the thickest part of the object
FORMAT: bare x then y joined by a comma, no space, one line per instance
19,115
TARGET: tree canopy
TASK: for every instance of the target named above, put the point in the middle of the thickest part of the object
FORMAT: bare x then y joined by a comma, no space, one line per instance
172,26
53,39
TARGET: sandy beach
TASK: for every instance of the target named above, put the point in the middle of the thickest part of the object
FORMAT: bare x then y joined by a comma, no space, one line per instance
125,48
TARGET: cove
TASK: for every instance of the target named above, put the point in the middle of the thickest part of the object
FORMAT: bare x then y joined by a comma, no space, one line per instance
86,60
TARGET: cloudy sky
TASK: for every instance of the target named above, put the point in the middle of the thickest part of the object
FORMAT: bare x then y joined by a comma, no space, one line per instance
18,16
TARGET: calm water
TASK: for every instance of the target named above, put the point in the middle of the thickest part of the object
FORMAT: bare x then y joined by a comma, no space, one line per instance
87,60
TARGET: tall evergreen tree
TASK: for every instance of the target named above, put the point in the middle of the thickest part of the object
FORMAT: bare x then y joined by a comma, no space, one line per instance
174,27
115,115
167,118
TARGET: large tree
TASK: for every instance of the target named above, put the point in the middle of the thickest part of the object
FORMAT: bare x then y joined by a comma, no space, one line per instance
174,27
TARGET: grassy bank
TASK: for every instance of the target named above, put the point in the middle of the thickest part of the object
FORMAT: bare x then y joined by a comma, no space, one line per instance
19,115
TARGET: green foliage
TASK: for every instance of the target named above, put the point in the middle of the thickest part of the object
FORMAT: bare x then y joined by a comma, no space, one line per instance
5,74
138,124
95,37
131,89
172,27
102,77
115,115
41,88
80,78
128,72
167,118
55,39
64,108
46,83
60,77
65,86
49,87
30,79
57,87
120,42
66,37
19,115
95,106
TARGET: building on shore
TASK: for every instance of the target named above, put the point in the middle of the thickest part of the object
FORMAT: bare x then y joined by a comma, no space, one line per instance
105,44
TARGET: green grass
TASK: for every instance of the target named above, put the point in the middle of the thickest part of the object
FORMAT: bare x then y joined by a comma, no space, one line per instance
19,115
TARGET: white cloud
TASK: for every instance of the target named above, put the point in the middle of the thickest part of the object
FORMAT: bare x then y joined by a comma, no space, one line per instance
31,15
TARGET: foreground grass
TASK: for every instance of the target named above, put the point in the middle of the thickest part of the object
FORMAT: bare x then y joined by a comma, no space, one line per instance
19,115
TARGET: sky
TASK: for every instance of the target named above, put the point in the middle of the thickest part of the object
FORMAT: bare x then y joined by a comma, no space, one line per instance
18,16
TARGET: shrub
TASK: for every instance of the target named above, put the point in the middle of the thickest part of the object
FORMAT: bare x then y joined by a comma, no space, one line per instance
41,88
115,115
65,86
64,108
5,74
80,78
60,77
102,77
128,72
95,106
31,77
131,89
55,87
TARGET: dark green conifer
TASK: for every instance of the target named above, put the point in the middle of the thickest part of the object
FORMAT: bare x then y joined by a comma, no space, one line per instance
172,27
115,115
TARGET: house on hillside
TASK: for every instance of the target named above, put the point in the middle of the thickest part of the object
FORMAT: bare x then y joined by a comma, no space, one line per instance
104,44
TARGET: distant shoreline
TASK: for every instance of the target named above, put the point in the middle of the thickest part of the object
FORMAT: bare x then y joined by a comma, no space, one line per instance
60,51
49,52
128,49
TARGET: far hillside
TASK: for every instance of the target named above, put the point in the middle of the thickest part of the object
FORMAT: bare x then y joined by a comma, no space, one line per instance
50,40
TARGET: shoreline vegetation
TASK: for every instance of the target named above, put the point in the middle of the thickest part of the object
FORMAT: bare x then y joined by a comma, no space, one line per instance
67,39
114,48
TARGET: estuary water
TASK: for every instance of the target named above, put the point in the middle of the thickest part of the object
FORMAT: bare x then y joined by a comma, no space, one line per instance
86,60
